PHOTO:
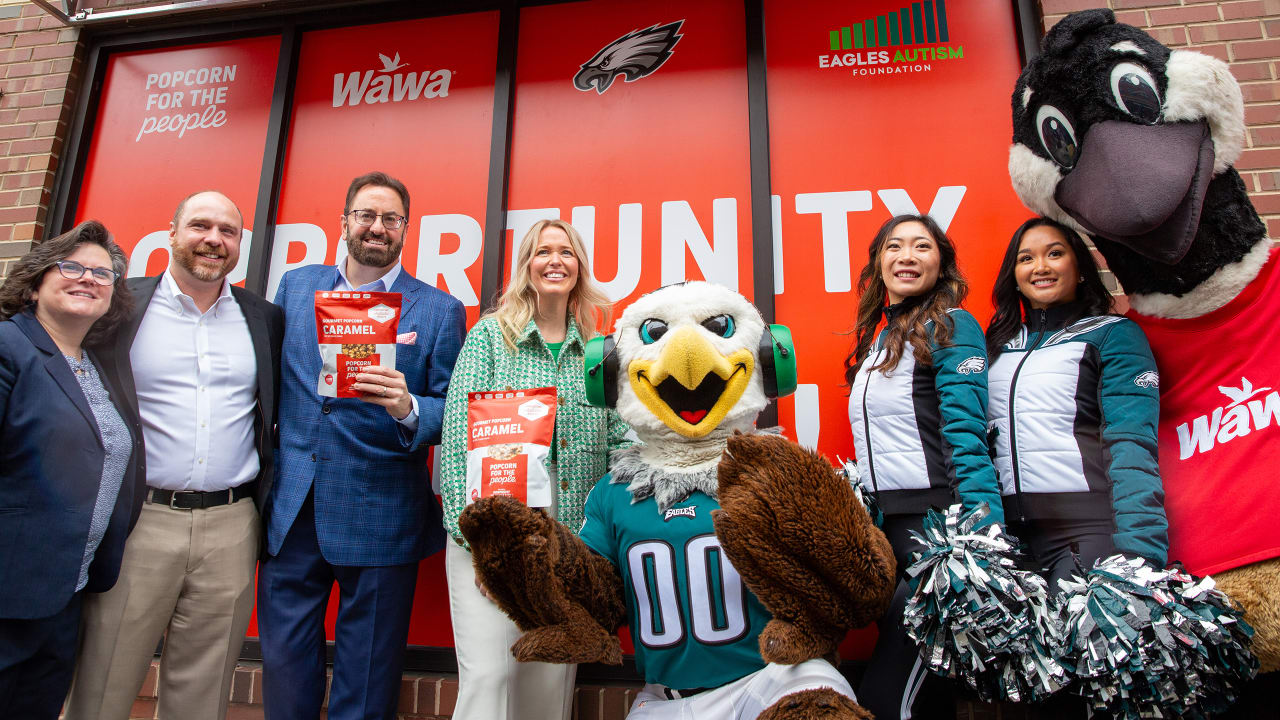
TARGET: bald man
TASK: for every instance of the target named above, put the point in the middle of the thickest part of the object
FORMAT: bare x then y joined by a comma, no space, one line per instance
200,362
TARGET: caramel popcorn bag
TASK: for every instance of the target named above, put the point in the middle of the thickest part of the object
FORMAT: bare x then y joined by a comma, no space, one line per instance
508,438
356,330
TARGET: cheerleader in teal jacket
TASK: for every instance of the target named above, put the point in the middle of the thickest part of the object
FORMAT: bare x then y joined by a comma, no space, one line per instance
1074,401
917,411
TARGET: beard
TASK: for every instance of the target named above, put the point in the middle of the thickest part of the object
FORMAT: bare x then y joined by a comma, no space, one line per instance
186,257
371,256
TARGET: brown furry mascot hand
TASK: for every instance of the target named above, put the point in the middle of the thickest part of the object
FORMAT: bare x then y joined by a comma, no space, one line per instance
802,543
567,599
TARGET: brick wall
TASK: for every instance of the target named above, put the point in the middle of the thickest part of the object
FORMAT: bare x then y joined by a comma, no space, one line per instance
39,60
1244,33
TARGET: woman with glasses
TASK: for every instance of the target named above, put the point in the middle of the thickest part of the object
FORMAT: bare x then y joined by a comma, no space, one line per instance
534,338
68,462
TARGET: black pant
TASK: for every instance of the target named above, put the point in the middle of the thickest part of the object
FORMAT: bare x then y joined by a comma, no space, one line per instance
37,657
897,684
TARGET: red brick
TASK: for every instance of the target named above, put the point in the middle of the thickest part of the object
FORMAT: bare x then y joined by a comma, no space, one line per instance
1264,203
1259,159
447,696
18,181
615,703
19,214
48,128
16,131
26,24
37,114
1218,50
1251,71
1262,114
143,708
1272,27
68,49
6,232
1248,29
38,196
1184,14
1239,10
16,55
24,231
1268,180
52,81
427,694
236,711
241,684
1125,4
1132,17
1056,7
408,702
1266,136
1256,49
55,97
32,10
31,147
1260,91
1174,36
588,699
44,37
1273,227
61,65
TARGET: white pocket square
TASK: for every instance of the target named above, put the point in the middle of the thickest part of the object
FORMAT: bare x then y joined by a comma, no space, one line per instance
406,338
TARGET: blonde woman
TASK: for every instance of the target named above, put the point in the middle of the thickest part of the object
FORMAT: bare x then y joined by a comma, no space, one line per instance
534,338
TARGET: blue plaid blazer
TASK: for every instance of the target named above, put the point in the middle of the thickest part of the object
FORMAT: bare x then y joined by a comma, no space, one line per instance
373,499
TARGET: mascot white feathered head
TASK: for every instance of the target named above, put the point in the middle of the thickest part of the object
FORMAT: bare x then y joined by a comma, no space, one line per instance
688,371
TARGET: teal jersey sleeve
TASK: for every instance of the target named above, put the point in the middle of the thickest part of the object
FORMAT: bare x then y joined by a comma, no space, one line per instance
961,382
596,529
1129,396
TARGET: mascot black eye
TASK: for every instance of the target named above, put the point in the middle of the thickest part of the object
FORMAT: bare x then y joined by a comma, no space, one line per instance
721,325
652,330
1057,136
1135,92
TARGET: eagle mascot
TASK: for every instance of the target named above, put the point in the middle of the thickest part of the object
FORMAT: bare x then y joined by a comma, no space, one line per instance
737,559
1133,144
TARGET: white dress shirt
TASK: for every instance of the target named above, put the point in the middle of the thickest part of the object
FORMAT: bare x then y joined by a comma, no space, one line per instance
382,284
197,382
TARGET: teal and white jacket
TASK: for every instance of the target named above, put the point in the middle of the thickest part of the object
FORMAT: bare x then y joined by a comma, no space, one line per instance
920,432
1072,424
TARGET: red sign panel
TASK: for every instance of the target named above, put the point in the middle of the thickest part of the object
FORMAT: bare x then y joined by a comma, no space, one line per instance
631,123
413,99
174,122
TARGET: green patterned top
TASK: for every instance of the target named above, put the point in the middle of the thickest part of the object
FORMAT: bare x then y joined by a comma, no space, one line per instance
584,434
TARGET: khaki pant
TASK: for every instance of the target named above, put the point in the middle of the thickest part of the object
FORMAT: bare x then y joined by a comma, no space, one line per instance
187,575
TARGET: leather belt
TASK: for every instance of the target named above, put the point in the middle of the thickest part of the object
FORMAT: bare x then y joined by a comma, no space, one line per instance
198,500
676,694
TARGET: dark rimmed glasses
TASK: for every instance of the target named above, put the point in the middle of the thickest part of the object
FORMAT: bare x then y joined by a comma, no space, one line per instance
390,221
73,270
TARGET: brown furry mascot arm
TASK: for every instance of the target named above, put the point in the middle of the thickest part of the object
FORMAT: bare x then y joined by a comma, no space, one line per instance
565,598
802,543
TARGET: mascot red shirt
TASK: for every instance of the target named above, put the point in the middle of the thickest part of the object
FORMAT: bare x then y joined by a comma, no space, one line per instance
1220,416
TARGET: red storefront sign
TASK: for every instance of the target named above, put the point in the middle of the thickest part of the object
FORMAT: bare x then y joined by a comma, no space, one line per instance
174,122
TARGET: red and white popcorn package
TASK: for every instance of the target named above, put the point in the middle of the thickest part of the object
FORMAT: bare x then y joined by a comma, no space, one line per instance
508,438
356,330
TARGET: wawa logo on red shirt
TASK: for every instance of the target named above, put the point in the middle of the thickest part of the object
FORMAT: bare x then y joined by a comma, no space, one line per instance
1248,411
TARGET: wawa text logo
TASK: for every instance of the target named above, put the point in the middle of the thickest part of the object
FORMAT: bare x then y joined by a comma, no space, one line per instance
380,86
1249,410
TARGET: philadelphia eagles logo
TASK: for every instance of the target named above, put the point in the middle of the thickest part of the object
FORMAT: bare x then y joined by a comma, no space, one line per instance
633,56
975,364
1150,379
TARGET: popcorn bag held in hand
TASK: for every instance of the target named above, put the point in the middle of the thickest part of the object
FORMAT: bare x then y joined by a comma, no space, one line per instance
356,330
508,439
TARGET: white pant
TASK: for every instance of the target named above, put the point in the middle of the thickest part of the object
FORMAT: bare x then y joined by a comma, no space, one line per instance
492,685
742,699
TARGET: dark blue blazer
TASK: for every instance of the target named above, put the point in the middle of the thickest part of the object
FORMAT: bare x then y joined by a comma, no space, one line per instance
51,458
373,500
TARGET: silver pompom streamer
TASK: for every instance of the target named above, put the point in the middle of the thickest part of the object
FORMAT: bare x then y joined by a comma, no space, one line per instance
865,497
1147,642
977,615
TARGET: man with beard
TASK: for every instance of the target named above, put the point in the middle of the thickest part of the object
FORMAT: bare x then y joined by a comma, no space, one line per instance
352,501
199,363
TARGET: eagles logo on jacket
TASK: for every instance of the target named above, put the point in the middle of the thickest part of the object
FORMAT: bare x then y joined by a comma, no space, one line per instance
920,433
1072,417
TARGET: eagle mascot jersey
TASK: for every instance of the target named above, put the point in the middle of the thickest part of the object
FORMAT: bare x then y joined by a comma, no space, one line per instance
1133,143
737,559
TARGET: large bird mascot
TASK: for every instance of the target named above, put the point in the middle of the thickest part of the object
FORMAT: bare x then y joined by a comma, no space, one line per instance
738,559
1133,143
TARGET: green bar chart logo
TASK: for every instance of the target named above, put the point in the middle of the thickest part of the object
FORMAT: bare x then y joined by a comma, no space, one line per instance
919,23
910,38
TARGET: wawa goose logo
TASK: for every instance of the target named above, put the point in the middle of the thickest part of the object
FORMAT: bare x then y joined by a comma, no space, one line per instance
380,85
1250,410
633,56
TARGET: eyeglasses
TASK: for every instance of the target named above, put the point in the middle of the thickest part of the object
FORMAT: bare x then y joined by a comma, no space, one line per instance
73,270
390,221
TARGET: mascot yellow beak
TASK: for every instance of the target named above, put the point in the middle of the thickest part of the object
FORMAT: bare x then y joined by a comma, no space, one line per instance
691,386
